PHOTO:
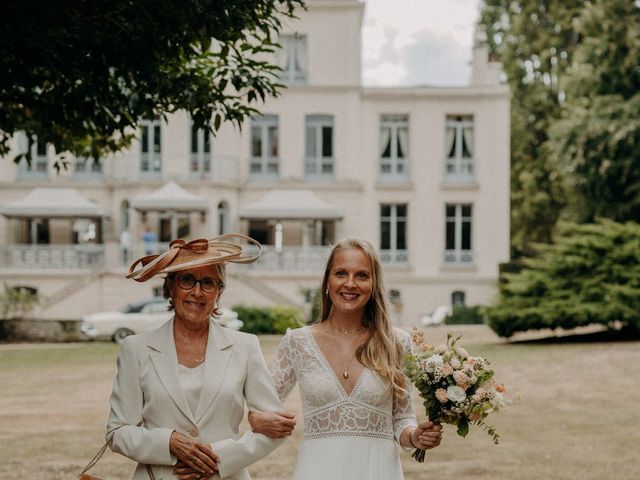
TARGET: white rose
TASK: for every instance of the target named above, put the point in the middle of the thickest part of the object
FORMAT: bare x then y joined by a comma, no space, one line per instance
455,363
462,352
434,360
456,394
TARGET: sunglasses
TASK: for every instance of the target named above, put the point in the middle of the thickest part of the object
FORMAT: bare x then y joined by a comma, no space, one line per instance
207,284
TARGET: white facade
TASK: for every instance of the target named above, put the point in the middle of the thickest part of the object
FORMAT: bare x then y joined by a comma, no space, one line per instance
422,172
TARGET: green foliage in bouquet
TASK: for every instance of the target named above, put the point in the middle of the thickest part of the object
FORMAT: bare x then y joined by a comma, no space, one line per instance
590,275
457,388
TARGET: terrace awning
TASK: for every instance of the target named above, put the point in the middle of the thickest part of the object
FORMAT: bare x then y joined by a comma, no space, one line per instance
51,202
291,204
170,197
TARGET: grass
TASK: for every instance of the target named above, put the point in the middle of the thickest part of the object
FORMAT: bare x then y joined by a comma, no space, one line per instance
577,416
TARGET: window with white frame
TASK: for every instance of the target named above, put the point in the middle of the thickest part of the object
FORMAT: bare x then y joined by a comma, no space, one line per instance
394,146
458,241
264,147
459,142
150,146
292,58
393,233
38,166
200,158
318,146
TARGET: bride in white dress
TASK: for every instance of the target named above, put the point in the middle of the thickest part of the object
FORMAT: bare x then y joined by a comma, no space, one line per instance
357,402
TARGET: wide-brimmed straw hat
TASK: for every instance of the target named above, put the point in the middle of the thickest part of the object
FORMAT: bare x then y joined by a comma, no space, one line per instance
196,253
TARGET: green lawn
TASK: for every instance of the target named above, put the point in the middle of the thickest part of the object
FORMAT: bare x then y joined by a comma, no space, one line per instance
576,415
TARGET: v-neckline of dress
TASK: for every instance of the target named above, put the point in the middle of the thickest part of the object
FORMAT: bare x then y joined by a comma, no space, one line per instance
325,363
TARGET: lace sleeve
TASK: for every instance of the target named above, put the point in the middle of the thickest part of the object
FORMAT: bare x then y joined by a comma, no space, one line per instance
404,414
282,371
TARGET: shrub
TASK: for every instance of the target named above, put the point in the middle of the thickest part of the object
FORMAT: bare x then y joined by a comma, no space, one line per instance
589,275
463,315
256,319
268,320
286,317
16,302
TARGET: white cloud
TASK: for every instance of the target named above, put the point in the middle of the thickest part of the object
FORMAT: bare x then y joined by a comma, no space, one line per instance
418,42
436,60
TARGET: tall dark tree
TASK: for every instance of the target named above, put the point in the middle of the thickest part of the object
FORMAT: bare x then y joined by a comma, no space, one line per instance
81,74
597,140
535,41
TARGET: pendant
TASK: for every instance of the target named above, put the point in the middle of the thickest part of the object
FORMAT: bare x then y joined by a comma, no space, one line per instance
198,360
345,374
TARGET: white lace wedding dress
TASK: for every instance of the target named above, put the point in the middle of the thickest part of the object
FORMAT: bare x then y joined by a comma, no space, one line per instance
346,437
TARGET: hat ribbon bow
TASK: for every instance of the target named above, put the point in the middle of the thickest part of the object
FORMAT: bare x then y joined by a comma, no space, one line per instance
160,261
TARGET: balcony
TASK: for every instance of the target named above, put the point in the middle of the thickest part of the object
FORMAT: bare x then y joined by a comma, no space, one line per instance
292,258
50,257
87,257
394,257
458,258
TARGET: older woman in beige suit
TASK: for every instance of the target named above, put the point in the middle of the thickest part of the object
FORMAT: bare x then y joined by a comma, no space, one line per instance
180,391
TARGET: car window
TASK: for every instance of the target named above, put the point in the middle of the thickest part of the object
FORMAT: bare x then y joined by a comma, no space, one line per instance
134,307
155,307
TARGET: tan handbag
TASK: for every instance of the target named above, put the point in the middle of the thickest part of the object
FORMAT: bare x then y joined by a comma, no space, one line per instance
84,475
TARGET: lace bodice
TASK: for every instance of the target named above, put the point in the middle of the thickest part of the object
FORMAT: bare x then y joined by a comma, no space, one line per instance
328,411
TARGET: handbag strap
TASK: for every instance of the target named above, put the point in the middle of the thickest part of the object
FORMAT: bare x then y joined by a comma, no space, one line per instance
96,458
150,472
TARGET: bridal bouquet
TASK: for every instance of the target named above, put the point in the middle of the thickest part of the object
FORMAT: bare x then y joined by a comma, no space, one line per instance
457,388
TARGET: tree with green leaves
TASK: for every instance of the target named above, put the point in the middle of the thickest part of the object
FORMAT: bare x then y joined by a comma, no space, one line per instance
596,142
535,41
81,75
590,275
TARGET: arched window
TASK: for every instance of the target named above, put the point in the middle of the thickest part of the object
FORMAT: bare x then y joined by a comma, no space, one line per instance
458,298
223,218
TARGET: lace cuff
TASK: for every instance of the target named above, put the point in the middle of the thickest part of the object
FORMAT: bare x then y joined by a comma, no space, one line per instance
399,428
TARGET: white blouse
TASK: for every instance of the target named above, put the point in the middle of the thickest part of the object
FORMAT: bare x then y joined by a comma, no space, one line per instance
191,380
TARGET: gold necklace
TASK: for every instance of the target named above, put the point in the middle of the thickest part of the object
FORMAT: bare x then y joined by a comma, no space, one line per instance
198,358
345,370
201,358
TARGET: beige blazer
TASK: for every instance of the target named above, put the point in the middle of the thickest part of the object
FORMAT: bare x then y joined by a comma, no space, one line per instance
147,389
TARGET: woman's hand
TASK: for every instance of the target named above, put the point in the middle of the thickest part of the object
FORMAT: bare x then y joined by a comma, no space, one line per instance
184,472
198,457
426,435
272,424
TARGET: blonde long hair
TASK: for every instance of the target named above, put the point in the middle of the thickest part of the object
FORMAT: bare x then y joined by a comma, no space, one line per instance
382,351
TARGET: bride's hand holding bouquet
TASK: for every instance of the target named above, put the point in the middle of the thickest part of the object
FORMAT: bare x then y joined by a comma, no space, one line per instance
457,388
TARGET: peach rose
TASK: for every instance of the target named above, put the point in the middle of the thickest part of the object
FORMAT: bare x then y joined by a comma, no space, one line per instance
441,395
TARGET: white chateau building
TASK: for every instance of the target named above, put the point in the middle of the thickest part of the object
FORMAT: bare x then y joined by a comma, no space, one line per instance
421,172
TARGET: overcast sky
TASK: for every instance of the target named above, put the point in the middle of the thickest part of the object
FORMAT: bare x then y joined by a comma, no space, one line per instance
418,42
